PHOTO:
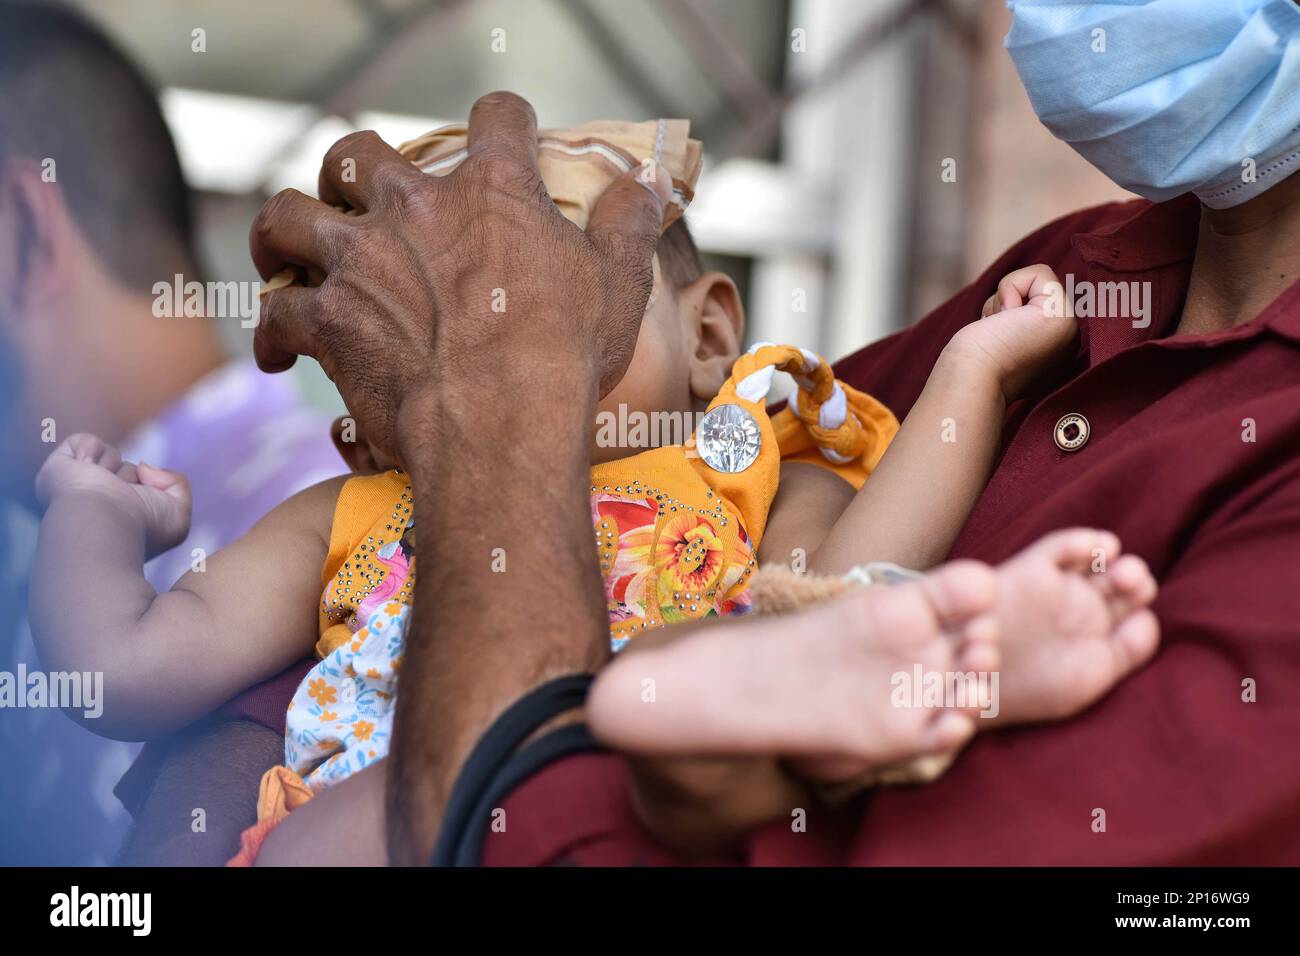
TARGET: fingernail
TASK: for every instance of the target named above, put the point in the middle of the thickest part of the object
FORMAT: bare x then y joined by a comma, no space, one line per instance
658,181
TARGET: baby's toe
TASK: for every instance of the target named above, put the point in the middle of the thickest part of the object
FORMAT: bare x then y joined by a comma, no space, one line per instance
910,732
1128,585
960,591
1078,549
1136,580
947,730
981,629
1135,640
979,656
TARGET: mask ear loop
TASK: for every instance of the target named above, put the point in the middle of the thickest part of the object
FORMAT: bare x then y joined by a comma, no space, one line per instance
1260,176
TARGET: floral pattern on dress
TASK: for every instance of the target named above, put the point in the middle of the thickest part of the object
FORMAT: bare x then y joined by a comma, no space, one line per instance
661,562
341,718
624,537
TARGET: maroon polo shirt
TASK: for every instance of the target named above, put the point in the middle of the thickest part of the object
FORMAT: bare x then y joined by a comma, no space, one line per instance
1183,768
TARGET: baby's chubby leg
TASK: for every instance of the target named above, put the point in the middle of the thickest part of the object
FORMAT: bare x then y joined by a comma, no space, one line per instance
1061,623
821,683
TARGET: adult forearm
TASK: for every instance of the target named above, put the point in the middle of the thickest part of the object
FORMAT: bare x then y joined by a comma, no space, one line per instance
507,589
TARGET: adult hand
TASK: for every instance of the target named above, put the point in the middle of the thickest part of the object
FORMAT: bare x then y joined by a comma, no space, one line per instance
475,275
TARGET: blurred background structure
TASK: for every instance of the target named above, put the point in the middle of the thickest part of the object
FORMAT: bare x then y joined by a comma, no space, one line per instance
864,158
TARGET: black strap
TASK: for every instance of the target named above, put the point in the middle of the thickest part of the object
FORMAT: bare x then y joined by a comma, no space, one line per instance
559,743
498,743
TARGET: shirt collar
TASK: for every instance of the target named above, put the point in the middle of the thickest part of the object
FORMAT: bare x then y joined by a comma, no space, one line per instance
1150,237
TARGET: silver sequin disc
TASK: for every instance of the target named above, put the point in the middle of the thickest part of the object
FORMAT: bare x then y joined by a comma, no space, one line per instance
728,439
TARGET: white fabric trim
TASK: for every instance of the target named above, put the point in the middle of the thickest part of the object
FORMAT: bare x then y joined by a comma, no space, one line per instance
756,384
833,411
835,457
458,157
438,165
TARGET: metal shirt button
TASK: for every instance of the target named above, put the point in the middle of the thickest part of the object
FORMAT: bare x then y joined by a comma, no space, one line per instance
1071,432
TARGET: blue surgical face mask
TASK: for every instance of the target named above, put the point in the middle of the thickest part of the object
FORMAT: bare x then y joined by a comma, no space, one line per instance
1168,96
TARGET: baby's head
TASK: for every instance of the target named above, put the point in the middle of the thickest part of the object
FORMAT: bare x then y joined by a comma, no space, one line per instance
691,332
689,338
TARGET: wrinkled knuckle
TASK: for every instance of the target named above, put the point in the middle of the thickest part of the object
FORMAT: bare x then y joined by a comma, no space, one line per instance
364,249
272,210
330,334
268,313
401,193
641,275
341,241
348,144
637,249
417,193
331,302
505,173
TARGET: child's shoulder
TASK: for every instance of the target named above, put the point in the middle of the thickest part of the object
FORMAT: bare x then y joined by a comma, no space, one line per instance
338,507
347,492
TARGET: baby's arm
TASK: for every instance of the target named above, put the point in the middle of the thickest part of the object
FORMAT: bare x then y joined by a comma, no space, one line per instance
167,659
920,495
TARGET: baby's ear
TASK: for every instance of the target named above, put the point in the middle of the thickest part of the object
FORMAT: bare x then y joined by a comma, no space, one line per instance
354,448
712,309
37,245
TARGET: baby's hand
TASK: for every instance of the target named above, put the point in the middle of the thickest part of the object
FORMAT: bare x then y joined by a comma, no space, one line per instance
1026,324
1035,285
159,499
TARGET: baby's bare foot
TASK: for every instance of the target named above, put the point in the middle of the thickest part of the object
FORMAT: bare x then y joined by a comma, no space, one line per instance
1075,619
822,685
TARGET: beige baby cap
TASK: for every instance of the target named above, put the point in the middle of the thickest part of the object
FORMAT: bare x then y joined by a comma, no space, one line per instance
577,164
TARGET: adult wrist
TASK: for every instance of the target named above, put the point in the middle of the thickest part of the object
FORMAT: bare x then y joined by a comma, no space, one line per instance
544,406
